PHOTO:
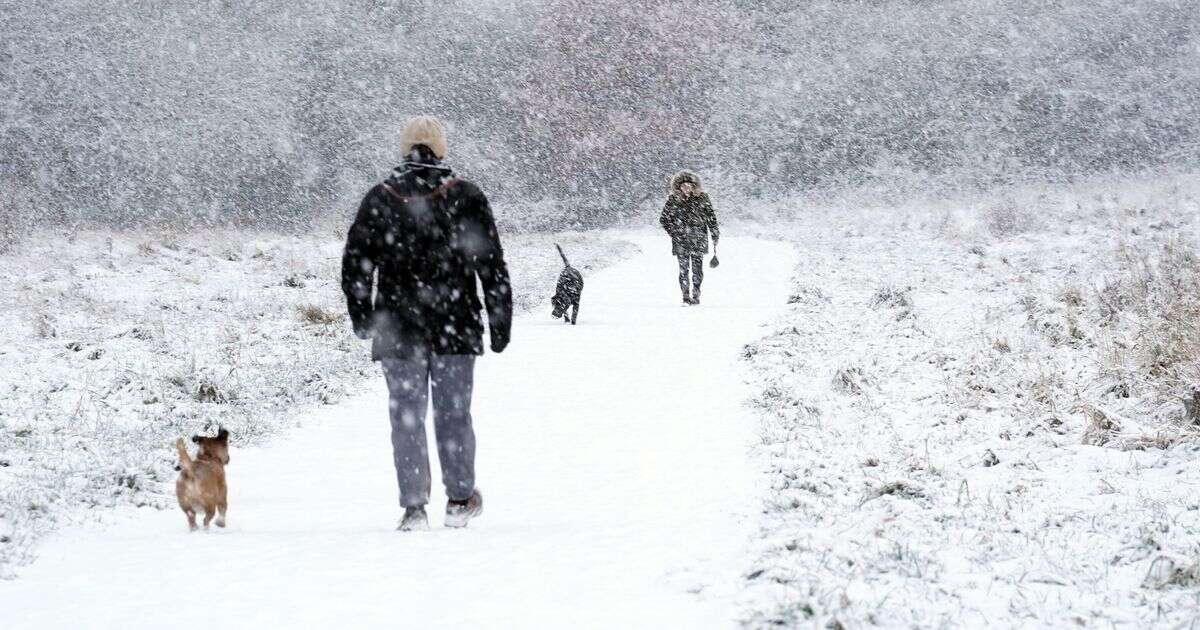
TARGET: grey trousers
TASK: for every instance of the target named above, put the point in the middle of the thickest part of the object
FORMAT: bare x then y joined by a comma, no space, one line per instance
694,262
451,378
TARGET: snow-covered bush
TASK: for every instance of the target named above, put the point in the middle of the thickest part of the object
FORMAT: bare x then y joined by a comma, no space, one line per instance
1006,218
1150,309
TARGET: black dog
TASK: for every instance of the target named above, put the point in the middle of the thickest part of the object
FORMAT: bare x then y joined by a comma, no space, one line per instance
568,292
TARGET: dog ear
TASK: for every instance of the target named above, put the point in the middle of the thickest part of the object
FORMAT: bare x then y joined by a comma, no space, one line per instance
196,438
222,434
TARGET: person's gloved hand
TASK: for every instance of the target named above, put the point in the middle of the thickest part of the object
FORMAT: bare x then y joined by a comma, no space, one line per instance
499,342
362,332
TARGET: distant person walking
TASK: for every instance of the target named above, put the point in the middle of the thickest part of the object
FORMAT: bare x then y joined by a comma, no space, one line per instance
419,240
689,219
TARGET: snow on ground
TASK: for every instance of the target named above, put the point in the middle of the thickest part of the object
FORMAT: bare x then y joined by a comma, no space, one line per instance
612,457
974,416
930,436
113,344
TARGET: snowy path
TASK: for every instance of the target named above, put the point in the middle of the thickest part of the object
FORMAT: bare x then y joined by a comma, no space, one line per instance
612,457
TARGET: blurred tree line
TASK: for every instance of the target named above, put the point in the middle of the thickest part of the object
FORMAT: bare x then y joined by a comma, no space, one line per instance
574,112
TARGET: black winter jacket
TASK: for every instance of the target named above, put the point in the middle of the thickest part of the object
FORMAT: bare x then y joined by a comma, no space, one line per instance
689,221
421,238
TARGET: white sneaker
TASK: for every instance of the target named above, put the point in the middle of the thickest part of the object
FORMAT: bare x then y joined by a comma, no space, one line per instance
414,519
459,513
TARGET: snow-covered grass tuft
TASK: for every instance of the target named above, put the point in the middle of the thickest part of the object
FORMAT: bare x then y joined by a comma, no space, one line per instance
1149,308
807,294
850,380
316,315
118,343
891,297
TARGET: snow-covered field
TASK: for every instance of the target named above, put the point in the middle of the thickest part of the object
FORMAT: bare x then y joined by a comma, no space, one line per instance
975,414
976,417
113,344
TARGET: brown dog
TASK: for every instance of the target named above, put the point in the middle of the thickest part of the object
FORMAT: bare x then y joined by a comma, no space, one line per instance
201,485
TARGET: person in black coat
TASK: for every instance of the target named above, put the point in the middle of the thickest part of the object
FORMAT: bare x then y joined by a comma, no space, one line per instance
689,219
419,241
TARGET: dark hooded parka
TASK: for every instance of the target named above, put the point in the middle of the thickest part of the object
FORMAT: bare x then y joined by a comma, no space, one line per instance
690,219
423,236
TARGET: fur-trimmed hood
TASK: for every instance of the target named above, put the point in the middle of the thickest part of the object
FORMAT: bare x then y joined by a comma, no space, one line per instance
685,176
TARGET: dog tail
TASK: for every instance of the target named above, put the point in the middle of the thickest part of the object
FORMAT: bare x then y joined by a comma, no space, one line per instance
185,461
564,256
